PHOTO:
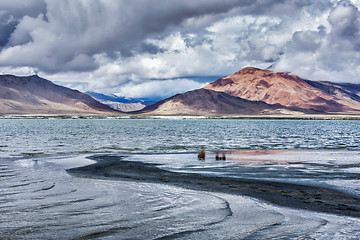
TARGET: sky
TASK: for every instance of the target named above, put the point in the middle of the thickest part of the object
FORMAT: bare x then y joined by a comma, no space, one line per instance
157,48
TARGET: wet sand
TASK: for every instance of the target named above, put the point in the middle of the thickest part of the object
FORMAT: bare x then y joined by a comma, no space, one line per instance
39,200
284,194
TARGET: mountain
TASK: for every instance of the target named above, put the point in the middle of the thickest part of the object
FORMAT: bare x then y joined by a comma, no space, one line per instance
289,90
250,91
120,103
253,91
208,102
35,95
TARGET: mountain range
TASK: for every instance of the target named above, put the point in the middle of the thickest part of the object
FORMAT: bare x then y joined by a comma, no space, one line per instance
255,91
250,91
35,95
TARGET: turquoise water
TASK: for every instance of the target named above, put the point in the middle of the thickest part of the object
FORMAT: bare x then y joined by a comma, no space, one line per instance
31,137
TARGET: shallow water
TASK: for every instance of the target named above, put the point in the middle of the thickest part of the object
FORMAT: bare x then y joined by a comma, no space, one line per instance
335,169
39,200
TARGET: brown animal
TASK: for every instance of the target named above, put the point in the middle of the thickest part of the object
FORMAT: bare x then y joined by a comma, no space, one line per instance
201,155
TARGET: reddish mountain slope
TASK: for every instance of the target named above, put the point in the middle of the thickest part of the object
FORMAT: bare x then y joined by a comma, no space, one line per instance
35,95
288,90
208,102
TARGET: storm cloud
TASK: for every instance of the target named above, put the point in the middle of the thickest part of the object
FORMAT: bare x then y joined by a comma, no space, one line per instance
155,47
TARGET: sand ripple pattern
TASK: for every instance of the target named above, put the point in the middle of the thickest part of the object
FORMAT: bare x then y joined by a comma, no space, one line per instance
39,200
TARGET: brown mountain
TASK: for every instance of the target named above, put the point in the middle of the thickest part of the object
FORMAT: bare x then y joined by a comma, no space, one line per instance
289,90
208,102
35,95
253,91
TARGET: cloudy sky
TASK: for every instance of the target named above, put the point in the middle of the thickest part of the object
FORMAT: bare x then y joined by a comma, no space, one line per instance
147,48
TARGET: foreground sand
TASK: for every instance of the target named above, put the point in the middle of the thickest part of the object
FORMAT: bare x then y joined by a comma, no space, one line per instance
285,194
39,200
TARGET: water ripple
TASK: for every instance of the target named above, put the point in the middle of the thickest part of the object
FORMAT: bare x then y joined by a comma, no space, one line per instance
59,136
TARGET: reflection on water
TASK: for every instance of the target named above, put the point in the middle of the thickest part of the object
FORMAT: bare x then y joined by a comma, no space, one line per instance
337,169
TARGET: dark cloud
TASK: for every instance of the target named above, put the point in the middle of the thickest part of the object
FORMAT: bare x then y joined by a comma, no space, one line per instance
11,12
73,28
307,41
150,48
70,33
7,26
345,27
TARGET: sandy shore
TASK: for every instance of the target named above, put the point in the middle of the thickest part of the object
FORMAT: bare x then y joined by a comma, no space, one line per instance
283,194
39,200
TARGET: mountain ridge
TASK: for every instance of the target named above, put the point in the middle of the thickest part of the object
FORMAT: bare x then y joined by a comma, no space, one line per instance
250,91
208,102
283,93
283,88
36,95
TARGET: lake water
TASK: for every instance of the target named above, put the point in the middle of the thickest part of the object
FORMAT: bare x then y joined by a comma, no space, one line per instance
40,200
21,137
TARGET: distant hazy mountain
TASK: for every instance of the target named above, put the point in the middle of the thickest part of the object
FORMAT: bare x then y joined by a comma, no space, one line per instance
35,95
121,103
257,91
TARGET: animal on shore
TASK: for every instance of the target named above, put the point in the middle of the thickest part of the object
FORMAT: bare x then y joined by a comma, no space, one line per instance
201,155
218,157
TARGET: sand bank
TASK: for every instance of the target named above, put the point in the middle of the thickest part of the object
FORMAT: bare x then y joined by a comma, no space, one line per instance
39,200
285,194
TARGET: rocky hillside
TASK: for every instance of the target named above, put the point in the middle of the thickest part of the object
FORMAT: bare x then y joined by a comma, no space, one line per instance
288,90
255,91
208,102
35,95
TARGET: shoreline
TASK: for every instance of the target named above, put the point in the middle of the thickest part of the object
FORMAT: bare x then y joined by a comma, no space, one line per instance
283,194
68,207
200,117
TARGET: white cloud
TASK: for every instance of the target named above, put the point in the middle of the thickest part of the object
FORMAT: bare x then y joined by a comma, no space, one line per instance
162,88
330,53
